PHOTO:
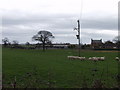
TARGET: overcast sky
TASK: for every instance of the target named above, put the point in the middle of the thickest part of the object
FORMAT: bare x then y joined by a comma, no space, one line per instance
21,19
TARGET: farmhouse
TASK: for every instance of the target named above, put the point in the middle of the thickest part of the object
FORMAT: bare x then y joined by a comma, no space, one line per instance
95,44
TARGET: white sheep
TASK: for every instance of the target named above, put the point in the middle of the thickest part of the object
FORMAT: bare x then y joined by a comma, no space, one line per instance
93,58
96,58
101,58
90,58
76,57
117,58
72,57
81,58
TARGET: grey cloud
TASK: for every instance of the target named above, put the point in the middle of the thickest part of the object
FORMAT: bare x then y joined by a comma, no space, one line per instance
58,24
62,21
108,23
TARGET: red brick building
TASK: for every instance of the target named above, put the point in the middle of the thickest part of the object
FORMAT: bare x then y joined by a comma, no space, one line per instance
96,44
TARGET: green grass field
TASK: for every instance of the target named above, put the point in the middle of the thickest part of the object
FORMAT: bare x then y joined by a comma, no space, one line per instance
35,68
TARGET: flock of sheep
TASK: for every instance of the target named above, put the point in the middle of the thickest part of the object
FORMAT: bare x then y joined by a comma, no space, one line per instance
90,58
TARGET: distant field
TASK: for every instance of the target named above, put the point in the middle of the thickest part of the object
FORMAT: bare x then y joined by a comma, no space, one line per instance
35,68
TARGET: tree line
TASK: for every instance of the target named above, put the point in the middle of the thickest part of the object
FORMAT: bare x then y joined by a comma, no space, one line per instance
45,38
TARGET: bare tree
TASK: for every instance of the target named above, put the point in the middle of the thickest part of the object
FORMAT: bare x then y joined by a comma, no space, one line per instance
27,43
117,41
109,42
15,43
44,37
5,41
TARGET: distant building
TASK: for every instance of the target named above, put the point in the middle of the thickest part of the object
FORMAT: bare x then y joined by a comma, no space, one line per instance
109,45
96,44
58,45
61,45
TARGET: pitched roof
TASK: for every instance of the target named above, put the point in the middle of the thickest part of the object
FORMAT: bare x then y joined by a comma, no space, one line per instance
96,41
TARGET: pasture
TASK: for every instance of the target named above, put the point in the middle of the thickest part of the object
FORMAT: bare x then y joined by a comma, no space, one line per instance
52,68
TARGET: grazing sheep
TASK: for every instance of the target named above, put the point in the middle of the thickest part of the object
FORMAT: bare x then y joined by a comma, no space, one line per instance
96,58
72,57
76,57
93,58
117,58
81,58
90,58
101,58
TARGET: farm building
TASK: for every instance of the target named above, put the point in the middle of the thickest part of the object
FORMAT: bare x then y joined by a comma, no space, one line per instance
96,43
109,45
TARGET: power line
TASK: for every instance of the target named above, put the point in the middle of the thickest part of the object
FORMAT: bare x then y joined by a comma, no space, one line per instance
81,11
80,18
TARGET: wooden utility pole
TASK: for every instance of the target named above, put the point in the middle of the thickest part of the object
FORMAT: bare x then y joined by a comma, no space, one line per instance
79,35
